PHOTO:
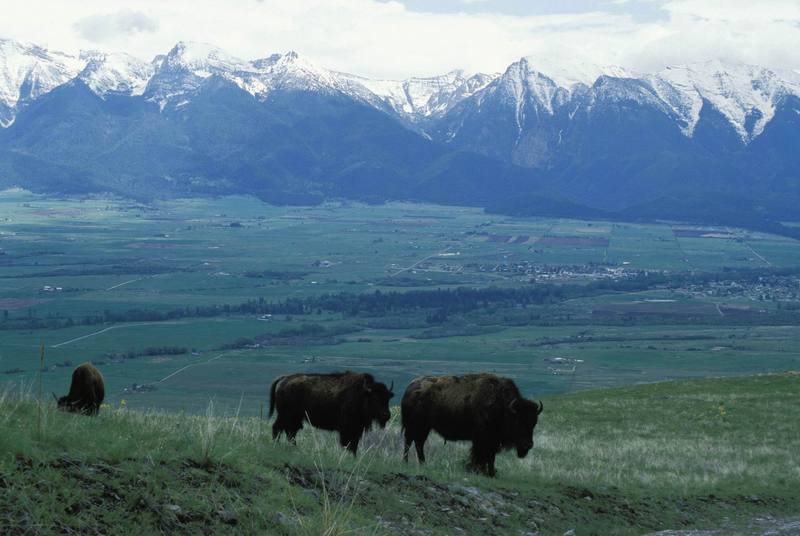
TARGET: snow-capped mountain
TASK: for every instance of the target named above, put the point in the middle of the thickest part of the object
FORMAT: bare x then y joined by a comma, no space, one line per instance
179,73
745,95
184,69
548,86
577,73
422,98
29,71
199,120
115,73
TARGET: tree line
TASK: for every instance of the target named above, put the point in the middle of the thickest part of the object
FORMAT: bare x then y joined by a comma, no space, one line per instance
440,302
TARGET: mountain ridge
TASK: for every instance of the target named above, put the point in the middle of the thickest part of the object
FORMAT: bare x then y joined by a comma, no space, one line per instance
529,140
680,87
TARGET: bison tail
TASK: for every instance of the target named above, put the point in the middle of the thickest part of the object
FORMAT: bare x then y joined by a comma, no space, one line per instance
272,395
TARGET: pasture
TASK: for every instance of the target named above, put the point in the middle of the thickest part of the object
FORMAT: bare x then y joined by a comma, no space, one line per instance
65,260
719,455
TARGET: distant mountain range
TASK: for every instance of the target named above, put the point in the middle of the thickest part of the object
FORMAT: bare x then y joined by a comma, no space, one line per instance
710,142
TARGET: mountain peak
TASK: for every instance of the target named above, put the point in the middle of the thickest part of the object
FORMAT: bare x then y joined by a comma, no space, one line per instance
420,98
569,75
746,95
115,72
28,71
194,55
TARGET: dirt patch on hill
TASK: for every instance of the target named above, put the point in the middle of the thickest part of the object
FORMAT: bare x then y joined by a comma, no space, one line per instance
187,496
96,495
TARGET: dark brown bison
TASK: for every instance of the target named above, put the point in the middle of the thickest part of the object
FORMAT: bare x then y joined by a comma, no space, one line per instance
345,402
483,408
86,392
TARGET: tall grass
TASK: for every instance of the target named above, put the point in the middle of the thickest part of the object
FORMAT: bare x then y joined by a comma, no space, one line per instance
39,399
670,440
684,444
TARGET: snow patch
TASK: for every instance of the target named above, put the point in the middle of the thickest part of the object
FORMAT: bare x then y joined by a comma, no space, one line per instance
569,76
427,96
745,95
115,73
28,71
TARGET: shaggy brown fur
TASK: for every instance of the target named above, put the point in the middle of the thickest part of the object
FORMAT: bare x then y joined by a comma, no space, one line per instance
483,408
86,392
345,402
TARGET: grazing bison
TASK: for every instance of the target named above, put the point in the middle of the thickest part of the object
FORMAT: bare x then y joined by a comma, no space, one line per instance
483,408
86,392
346,402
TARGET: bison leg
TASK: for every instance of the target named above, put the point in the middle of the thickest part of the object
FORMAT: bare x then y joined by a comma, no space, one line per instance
287,426
407,447
419,443
277,428
291,432
408,435
482,458
490,471
94,407
350,441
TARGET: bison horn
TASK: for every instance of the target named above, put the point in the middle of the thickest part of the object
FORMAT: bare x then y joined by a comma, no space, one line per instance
54,396
391,387
540,409
367,387
513,406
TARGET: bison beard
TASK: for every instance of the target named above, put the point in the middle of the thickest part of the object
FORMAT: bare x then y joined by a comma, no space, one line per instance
86,392
483,408
346,402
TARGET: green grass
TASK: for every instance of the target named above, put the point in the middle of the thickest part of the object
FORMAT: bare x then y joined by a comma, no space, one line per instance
620,355
715,453
207,260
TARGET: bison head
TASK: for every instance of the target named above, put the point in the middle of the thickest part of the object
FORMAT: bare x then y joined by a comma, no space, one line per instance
523,416
63,403
376,402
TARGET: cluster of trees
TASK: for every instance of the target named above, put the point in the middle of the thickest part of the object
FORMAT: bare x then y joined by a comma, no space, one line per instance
280,275
306,334
438,303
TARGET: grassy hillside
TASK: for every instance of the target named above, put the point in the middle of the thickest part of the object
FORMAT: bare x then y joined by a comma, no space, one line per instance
717,453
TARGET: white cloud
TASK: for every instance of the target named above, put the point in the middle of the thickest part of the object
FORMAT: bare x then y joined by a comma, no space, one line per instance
107,27
385,39
733,30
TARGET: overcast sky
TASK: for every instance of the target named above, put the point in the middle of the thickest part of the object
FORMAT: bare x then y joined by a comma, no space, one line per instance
397,39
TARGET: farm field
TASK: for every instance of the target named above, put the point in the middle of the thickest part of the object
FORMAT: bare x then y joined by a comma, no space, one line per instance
88,279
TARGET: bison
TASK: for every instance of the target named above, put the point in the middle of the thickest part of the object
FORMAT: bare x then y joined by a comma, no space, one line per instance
86,392
483,408
345,402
